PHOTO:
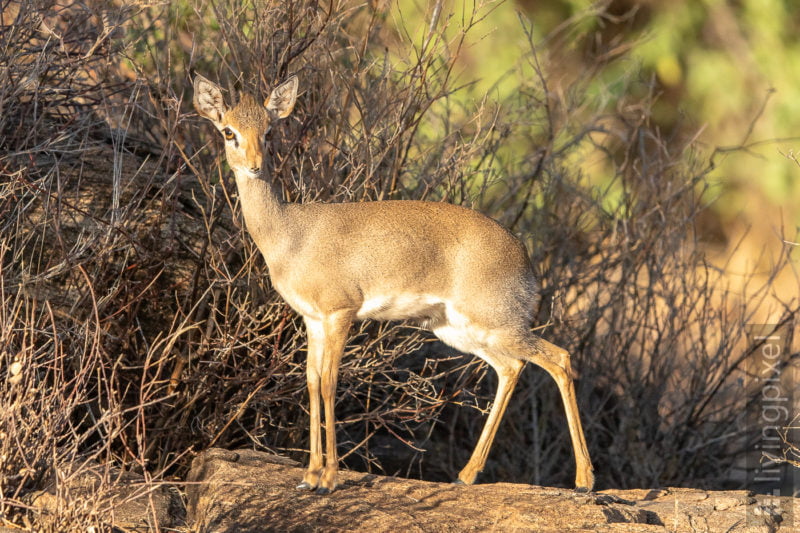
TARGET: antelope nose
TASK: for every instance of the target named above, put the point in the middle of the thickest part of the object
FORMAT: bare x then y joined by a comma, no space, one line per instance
255,170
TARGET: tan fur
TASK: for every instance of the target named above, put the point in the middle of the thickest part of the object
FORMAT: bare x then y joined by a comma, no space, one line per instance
461,272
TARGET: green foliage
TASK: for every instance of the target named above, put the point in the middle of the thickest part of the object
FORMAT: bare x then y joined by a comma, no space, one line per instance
715,65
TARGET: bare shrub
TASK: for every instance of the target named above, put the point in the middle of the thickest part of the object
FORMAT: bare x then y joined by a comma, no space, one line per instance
660,339
76,266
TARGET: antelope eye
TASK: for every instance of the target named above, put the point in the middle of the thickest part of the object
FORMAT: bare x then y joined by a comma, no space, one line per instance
228,134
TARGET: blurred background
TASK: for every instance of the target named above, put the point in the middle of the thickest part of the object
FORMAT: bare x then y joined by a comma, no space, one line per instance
723,73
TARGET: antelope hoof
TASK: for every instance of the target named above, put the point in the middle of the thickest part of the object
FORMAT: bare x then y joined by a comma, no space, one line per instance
583,490
304,485
323,491
458,482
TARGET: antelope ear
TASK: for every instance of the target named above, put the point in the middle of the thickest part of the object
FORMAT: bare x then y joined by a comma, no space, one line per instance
208,100
283,97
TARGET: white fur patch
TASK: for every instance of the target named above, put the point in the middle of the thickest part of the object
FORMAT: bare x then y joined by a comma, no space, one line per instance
462,334
315,328
399,306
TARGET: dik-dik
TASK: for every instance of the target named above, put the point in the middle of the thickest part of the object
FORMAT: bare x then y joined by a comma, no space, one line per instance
459,271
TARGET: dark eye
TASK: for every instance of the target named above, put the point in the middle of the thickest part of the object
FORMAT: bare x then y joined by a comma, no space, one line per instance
228,134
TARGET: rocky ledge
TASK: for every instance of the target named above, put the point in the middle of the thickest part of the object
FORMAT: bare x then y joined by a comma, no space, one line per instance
248,491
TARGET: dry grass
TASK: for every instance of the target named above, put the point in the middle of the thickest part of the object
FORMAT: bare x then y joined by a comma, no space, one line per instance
137,324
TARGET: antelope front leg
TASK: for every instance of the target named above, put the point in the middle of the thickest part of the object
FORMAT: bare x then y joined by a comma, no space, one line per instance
326,340
313,375
336,328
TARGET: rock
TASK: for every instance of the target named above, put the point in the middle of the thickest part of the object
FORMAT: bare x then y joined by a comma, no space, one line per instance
249,491
715,511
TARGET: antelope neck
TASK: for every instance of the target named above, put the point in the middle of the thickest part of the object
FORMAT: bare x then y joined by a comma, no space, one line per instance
263,211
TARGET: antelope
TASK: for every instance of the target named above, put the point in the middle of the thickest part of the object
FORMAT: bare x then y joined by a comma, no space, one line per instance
468,278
